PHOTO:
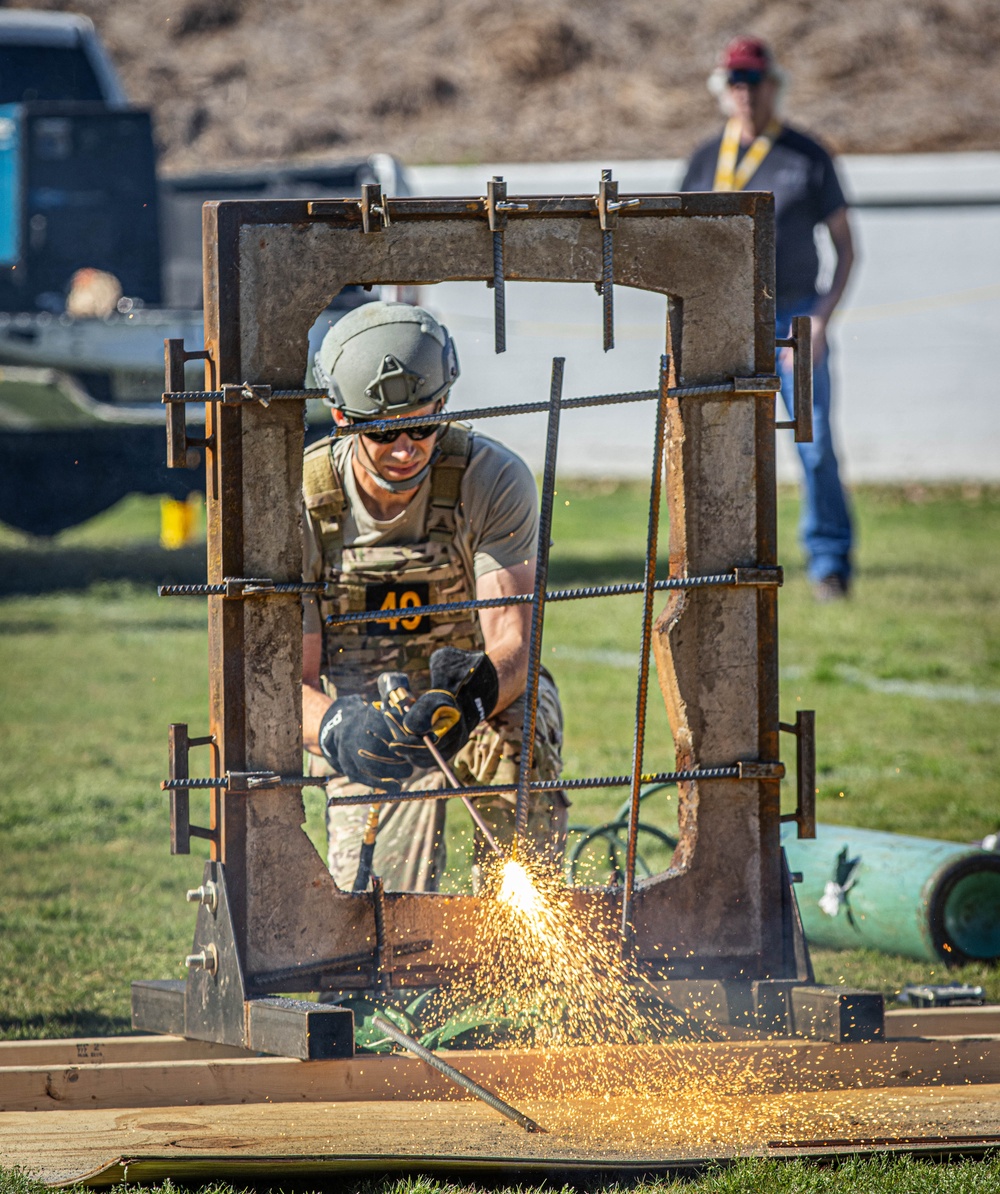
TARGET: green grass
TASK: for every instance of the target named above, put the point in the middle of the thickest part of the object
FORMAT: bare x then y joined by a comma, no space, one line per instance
95,666
868,1175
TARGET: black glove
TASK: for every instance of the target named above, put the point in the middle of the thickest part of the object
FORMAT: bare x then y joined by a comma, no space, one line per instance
464,691
355,740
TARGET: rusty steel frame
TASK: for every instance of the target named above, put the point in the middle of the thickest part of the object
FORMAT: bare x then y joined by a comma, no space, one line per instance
723,911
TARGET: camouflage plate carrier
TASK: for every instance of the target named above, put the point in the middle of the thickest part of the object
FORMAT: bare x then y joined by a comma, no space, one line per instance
409,852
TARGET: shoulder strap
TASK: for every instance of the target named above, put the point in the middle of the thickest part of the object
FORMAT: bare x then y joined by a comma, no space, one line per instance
323,492
455,448
321,486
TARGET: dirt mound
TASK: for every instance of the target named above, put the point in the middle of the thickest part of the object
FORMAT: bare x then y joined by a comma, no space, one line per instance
237,81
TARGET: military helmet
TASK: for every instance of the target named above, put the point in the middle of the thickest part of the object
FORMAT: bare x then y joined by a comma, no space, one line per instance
385,359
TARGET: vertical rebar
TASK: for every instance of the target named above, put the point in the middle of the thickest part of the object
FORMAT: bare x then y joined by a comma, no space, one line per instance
499,298
608,280
538,608
648,583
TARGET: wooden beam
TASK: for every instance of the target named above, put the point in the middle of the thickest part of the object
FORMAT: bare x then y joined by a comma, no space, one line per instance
943,1021
750,1067
95,1050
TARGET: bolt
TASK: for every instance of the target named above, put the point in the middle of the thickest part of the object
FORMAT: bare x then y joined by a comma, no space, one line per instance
208,960
207,894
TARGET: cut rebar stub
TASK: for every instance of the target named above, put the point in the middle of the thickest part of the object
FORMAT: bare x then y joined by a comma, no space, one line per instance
496,194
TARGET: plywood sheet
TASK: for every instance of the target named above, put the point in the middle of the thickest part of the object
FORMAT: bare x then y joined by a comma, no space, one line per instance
228,1142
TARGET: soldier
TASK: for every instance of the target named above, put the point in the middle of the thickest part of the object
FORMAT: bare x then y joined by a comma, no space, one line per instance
430,514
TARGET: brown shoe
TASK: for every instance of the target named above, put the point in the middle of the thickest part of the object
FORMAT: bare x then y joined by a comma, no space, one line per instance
831,588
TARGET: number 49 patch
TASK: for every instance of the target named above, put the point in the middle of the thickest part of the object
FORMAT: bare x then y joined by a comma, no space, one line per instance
395,597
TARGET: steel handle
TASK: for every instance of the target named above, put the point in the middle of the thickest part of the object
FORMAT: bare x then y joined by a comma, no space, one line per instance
802,375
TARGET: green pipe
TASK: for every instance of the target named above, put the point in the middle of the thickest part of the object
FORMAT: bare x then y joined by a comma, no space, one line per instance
924,899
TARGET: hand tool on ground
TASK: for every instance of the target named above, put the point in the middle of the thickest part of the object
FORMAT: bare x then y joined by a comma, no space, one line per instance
449,1071
394,689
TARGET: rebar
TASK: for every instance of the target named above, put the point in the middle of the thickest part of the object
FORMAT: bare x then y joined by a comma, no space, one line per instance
649,582
538,608
617,590
499,297
608,290
456,1076
221,590
541,785
536,785
607,271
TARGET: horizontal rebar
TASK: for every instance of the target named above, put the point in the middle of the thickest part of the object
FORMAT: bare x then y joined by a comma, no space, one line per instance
257,588
474,793
449,607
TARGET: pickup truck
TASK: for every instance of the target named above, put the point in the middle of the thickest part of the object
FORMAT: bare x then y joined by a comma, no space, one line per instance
80,421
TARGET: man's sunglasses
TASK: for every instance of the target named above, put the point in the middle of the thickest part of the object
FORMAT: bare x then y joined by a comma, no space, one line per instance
390,434
750,77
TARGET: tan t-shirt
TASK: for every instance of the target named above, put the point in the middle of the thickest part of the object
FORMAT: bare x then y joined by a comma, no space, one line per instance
497,516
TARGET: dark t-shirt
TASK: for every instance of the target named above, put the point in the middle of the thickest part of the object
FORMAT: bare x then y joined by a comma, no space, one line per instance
803,179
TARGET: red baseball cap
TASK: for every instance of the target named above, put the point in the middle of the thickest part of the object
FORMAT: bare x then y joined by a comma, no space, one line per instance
748,53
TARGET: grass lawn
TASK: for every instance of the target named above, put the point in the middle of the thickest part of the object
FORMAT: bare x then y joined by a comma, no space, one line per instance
905,680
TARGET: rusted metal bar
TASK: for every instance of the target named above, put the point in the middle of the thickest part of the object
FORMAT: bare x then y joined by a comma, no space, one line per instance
181,829
287,976
538,607
606,197
456,1076
400,209
175,357
800,342
236,587
496,193
234,394
804,730
649,589
738,578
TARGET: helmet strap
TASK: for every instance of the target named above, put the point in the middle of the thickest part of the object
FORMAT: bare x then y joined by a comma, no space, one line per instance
362,455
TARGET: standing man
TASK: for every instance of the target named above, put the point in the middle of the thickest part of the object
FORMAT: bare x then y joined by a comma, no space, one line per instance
395,520
756,151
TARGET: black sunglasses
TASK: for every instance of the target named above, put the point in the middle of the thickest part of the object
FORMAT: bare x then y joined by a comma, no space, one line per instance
750,77
391,434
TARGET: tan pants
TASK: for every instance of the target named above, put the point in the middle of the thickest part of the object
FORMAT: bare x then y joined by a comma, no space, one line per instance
410,848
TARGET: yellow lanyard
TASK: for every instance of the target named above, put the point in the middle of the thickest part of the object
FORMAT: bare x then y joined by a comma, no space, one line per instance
729,177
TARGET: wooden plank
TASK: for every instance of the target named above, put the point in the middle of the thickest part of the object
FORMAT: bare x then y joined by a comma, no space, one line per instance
94,1050
943,1021
777,1065
696,1122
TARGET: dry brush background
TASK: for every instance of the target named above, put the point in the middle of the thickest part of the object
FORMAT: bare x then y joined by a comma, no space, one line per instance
238,81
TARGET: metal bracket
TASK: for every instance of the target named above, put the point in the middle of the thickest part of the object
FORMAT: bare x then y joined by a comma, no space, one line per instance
753,770
804,730
800,342
179,443
760,577
374,211
181,829
232,395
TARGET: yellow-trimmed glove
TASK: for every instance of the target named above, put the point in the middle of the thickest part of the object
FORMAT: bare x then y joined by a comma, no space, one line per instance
464,691
356,741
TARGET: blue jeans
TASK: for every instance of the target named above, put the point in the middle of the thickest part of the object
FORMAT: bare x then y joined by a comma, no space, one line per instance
825,526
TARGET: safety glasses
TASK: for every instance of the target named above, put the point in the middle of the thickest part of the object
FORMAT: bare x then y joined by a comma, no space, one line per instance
390,434
748,76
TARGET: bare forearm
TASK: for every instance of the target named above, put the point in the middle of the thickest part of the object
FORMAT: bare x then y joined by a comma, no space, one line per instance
507,630
843,244
315,702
